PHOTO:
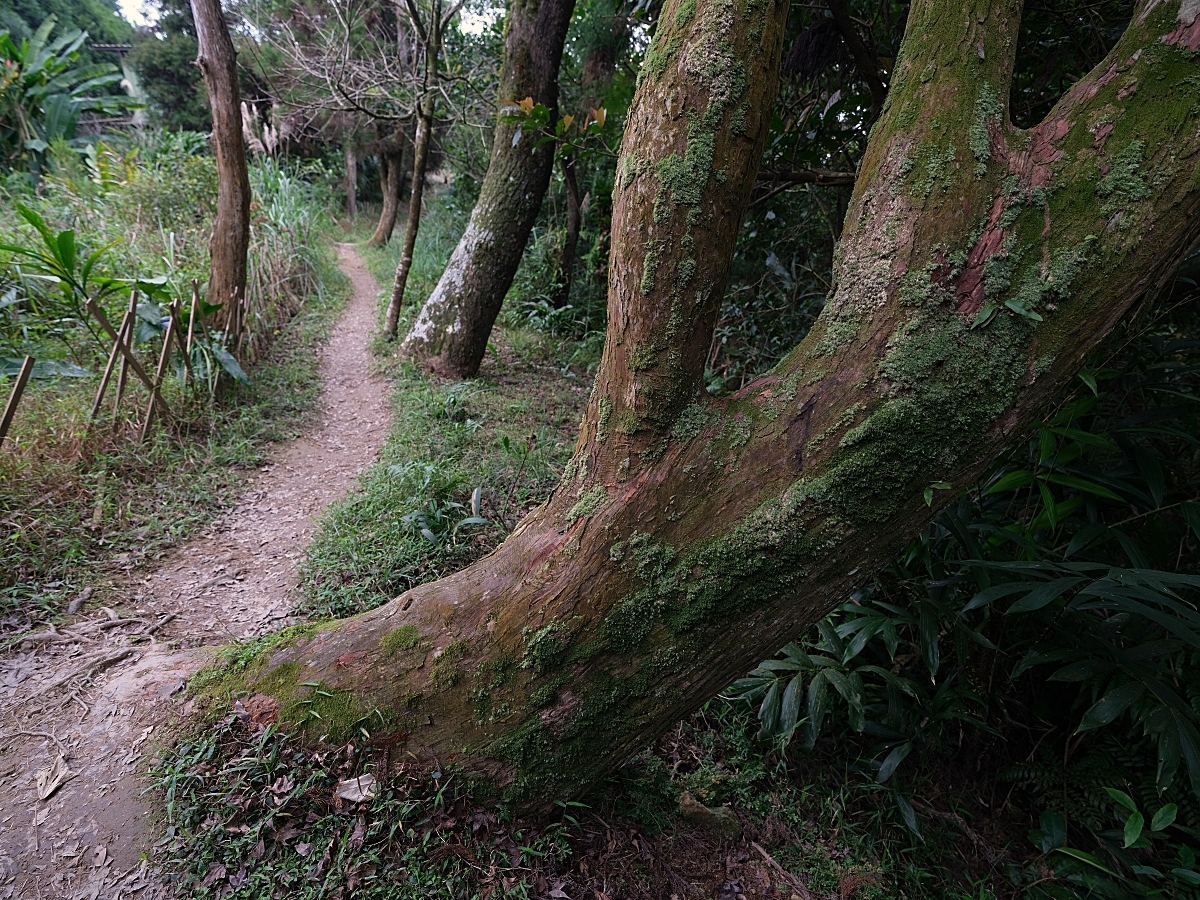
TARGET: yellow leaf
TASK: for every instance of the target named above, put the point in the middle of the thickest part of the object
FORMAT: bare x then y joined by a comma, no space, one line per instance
600,117
527,105
566,122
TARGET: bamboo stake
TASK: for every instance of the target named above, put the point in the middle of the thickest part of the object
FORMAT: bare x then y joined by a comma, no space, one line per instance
163,358
10,410
100,317
173,312
126,326
192,316
127,338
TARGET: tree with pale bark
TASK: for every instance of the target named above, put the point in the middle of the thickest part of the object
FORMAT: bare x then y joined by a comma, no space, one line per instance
690,536
451,331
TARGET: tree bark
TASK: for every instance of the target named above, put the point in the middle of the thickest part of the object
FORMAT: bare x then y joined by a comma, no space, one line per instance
691,536
231,229
566,261
452,329
420,157
392,163
351,181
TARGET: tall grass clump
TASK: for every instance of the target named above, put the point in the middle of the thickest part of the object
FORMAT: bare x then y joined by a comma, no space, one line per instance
81,503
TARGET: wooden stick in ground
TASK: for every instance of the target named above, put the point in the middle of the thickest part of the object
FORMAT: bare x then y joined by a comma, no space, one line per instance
100,317
10,409
127,339
173,312
163,358
122,332
192,317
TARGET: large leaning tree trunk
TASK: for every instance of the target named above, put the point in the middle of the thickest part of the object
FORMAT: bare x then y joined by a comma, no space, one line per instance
451,332
692,536
231,230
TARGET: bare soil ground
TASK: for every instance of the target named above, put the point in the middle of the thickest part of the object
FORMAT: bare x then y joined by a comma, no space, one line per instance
83,702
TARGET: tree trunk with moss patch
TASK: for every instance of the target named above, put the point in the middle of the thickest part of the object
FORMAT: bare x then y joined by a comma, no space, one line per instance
392,165
231,229
692,536
452,330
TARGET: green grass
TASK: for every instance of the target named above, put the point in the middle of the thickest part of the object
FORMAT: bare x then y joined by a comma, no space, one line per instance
80,510
490,448
250,810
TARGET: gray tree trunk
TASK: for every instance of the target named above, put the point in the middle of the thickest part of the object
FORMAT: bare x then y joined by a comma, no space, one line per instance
451,332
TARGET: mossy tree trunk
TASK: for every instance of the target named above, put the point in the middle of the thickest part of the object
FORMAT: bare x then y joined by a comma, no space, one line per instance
231,229
451,332
391,163
692,536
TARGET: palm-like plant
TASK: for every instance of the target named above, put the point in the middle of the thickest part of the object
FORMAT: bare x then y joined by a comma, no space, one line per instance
44,90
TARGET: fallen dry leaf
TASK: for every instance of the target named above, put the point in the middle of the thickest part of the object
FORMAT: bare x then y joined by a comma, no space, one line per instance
356,790
50,780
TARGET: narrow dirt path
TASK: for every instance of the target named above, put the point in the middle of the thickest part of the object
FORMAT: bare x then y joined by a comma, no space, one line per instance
80,705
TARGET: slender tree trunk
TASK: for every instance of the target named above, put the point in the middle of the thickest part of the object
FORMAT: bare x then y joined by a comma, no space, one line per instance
566,262
420,157
351,181
452,330
231,230
690,536
392,163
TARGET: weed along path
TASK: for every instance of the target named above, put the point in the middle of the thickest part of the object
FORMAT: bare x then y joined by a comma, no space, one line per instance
83,702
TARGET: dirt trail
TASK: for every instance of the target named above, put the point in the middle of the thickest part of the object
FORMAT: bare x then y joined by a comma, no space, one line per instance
85,702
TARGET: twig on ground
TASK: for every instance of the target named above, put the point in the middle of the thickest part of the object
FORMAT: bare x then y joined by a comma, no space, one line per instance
791,880
46,734
94,665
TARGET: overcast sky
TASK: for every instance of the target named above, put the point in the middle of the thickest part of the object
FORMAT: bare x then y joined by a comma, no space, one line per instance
134,11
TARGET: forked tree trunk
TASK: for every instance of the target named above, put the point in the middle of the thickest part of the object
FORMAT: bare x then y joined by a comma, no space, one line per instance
392,164
420,158
692,536
452,330
231,229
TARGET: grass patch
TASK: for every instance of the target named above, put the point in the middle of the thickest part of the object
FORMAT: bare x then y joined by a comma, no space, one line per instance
462,464
252,813
80,509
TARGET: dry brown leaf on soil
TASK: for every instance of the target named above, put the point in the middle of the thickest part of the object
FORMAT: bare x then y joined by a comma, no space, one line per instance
50,780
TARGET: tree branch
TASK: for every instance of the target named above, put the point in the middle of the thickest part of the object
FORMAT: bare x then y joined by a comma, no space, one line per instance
864,60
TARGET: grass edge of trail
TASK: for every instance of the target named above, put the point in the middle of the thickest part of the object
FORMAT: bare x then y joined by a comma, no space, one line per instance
89,513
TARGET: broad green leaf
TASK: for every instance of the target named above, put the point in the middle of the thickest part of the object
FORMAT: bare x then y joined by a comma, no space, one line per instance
892,760
229,364
1133,829
1054,830
1164,818
789,712
1188,876
1122,798
1011,481
1082,484
1085,857
1043,595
